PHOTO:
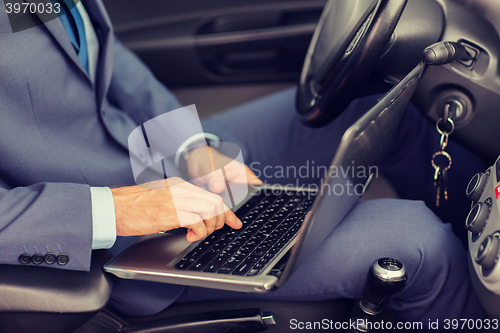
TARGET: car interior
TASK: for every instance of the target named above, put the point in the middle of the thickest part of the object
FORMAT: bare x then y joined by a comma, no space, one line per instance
218,54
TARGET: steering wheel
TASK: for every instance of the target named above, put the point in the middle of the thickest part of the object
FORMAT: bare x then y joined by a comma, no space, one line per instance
349,39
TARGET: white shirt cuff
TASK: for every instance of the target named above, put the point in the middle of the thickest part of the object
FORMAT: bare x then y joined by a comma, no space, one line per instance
103,218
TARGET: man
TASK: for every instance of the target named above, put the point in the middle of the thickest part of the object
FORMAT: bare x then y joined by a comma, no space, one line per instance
63,138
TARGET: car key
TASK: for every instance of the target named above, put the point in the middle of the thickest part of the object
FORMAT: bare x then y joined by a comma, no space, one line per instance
441,162
444,183
438,177
441,166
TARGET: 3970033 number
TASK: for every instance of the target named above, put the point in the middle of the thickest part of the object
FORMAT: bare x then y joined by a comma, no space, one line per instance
32,8
470,324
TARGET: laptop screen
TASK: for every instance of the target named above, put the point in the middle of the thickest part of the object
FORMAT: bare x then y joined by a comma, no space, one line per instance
353,167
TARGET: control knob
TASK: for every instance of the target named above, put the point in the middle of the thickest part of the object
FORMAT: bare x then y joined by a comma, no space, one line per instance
476,220
476,186
487,254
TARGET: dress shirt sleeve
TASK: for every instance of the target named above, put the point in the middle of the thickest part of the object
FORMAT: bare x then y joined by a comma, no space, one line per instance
103,218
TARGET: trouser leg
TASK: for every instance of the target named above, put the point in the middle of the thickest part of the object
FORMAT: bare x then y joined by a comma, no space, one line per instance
438,281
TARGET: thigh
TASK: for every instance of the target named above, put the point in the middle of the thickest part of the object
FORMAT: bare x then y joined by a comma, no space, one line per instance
438,281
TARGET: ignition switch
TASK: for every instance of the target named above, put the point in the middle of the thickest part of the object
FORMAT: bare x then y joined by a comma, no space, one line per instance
455,105
454,109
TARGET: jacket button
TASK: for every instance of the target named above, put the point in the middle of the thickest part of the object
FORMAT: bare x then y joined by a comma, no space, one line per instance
50,258
37,258
24,258
62,259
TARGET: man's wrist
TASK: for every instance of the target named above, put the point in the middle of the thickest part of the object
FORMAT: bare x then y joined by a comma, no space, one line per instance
191,144
197,140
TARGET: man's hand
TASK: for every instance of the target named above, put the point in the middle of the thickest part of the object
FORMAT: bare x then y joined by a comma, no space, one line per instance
150,208
203,161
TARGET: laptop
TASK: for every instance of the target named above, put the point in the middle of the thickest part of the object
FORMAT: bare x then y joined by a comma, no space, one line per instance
282,227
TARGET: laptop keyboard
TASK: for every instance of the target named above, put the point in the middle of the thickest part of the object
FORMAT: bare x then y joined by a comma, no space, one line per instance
270,220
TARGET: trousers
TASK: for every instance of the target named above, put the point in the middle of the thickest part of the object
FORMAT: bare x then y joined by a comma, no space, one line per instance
272,138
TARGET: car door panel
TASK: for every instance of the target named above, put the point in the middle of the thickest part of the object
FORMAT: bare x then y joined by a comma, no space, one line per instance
197,42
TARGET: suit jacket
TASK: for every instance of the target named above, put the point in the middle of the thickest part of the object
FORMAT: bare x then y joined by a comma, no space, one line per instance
60,133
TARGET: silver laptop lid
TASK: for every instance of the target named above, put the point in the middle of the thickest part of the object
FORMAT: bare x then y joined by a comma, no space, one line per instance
362,147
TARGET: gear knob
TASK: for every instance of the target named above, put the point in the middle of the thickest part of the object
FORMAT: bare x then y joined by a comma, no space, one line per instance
386,277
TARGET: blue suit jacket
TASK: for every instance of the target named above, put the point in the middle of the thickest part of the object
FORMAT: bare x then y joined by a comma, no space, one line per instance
60,134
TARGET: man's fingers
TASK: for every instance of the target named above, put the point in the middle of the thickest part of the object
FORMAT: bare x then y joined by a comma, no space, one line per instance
196,232
187,218
252,178
212,222
191,202
241,174
211,166
216,182
198,181
199,230
232,221
215,215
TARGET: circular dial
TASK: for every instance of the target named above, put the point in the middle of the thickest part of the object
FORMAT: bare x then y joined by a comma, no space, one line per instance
487,254
476,186
478,215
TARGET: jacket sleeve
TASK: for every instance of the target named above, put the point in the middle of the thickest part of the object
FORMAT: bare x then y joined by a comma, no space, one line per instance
46,224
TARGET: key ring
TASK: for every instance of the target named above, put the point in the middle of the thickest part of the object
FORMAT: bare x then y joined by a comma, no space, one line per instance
445,154
445,132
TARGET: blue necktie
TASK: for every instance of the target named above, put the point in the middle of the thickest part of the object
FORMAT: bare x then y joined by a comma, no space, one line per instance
73,24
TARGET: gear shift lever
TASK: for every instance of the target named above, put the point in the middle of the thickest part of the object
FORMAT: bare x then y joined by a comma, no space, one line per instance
386,277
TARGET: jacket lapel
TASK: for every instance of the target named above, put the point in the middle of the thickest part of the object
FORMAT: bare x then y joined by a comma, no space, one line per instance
104,31
56,28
